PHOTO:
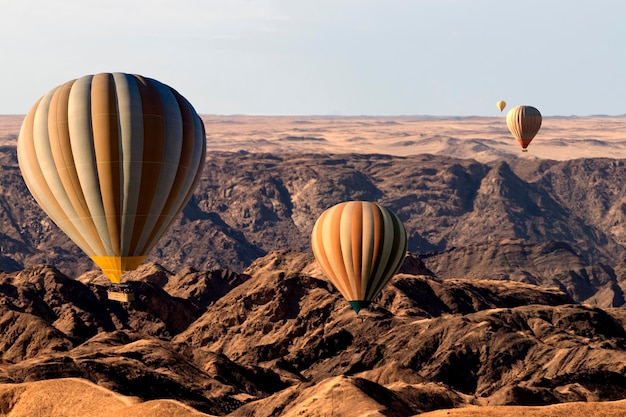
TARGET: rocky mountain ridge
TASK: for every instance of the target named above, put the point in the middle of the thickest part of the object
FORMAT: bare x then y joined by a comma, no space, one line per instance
463,217
280,332
508,296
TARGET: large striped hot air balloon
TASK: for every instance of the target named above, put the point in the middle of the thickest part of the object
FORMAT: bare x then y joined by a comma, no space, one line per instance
360,246
524,123
112,158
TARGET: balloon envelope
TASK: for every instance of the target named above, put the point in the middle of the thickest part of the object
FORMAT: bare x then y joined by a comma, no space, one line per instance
360,246
524,123
501,104
112,158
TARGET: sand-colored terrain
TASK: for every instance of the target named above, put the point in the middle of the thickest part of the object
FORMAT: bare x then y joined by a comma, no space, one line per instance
9,128
75,397
480,138
590,409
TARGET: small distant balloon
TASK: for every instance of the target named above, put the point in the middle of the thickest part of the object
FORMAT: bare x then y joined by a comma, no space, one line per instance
524,123
501,104
360,246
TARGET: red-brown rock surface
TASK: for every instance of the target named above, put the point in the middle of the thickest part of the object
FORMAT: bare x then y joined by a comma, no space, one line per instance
512,293
279,340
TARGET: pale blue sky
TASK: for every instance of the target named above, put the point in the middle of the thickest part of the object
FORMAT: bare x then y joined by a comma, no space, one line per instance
343,57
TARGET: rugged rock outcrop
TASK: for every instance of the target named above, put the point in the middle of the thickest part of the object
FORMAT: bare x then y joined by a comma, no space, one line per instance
508,297
271,340
249,204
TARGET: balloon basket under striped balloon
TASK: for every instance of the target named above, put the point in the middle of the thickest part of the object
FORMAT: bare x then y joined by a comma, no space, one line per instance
121,293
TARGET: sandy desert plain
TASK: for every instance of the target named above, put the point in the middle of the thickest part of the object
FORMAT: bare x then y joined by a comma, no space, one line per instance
482,138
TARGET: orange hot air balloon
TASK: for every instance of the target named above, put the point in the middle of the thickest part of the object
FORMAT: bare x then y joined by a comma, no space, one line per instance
524,123
360,246
112,158
501,104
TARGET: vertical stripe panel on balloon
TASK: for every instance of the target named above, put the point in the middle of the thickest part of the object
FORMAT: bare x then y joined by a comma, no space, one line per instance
131,148
398,250
29,165
400,246
26,156
83,153
537,126
367,246
346,239
519,122
194,149
61,147
514,121
358,224
535,123
173,127
513,118
36,181
378,243
189,168
198,159
153,149
523,124
380,276
106,144
332,244
356,246
51,176
317,244
378,259
402,241
199,151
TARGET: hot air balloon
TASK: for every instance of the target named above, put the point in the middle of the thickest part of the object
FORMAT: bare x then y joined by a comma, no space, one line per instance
112,158
360,246
524,123
501,104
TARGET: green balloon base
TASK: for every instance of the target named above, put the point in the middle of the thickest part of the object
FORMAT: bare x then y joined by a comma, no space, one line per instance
357,305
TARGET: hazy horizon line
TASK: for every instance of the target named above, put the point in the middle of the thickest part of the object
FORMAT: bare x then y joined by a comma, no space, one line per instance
330,115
